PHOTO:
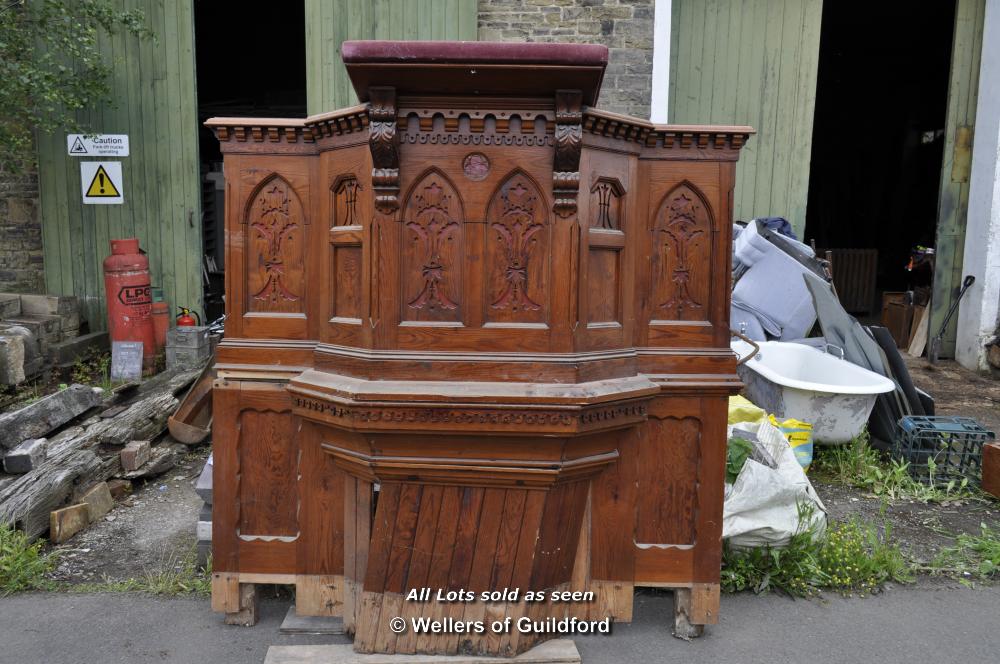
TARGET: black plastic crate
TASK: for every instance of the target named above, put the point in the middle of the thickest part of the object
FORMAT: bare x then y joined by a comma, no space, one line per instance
941,449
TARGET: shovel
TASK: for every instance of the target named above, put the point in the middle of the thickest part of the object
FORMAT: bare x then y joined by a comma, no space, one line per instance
932,354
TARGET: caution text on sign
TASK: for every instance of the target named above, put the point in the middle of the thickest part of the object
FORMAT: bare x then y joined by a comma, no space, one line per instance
101,182
97,145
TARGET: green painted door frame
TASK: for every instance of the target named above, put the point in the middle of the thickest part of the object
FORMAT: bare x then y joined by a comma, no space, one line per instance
953,200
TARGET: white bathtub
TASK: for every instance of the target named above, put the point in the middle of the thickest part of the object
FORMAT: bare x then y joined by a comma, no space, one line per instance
795,380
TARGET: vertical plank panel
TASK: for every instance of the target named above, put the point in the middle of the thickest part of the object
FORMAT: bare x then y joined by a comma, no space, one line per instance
331,22
963,87
153,88
752,62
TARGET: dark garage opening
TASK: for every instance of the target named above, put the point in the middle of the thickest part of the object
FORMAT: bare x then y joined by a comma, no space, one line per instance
251,61
878,140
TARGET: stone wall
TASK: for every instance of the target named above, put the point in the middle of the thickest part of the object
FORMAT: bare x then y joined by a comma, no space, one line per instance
624,26
21,260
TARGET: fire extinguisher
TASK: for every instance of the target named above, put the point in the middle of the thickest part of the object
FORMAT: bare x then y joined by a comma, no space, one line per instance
185,319
129,296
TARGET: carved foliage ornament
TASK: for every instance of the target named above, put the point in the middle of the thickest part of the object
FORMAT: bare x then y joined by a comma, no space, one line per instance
433,227
384,145
516,232
274,272
683,218
569,142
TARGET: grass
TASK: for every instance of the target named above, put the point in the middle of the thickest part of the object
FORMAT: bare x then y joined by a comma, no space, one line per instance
179,576
973,555
93,369
852,557
859,465
23,564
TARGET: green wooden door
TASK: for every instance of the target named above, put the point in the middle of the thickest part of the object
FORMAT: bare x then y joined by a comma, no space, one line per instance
153,86
331,22
752,62
953,201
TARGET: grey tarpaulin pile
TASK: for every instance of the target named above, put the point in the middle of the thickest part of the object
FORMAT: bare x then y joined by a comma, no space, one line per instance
861,346
769,300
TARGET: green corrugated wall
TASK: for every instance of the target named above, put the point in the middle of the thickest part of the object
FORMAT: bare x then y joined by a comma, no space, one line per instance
953,201
154,90
752,62
330,22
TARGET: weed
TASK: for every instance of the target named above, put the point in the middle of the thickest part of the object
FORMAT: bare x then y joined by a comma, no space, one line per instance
179,576
94,368
23,565
852,556
737,451
858,464
972,555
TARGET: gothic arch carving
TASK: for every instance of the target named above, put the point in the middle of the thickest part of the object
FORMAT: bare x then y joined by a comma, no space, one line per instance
275,254
518,246
344,206
682,241
432,249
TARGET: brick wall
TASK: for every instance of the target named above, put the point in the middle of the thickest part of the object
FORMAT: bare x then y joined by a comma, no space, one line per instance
624,26
21,261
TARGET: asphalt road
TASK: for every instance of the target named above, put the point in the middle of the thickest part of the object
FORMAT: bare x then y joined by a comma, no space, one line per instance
903,625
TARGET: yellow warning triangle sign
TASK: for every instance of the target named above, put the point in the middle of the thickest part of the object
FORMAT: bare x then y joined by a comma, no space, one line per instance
102,186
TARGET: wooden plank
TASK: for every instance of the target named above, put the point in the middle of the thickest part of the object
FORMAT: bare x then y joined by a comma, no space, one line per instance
381,540
918,340
953,198
486,539
351,576
507,540
420,562
319,594
321,544
403,534
614,508
438,574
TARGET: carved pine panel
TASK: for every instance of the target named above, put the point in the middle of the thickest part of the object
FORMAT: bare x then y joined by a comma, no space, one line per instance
275,274
432,251
346,251
268,476
668,481
605,276
344,195
518,247
681,257
606,204
347,277
606,242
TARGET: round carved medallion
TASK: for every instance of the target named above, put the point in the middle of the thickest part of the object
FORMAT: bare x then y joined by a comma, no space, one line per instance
476,166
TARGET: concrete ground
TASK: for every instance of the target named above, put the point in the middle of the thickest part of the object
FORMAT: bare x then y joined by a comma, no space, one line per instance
900,626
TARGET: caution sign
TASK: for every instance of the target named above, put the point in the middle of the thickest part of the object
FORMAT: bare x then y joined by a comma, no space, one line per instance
77,146
101,182
97,145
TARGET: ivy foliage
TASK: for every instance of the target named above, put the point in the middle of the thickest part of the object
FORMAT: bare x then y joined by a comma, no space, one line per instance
51,66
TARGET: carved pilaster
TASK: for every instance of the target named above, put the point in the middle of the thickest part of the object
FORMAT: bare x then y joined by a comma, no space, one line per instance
569,141
384,145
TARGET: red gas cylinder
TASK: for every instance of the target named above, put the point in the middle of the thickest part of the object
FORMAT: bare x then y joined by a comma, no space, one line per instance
161,319
129,296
